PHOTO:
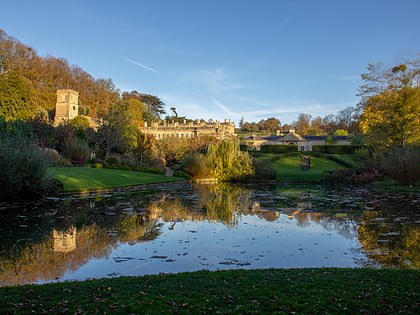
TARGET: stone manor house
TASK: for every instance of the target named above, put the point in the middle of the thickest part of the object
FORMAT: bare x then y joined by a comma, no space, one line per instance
190,129
67,108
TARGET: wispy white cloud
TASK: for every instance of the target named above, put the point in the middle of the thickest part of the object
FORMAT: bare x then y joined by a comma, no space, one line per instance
286,110
187,106
225,109
142,65
212,80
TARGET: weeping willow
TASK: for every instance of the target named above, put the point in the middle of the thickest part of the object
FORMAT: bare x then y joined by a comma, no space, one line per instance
227,162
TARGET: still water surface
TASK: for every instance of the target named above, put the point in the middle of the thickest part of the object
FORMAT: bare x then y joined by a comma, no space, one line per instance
187,227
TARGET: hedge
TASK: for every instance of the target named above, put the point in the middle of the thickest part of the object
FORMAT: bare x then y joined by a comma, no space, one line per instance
331,158
314,154
278,148
336,149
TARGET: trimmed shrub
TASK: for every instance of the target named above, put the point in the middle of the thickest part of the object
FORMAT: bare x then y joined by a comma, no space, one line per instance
336,149
51,155
76,151
278,148
113,161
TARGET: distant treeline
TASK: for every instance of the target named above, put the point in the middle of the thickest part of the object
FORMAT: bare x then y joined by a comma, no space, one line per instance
344,122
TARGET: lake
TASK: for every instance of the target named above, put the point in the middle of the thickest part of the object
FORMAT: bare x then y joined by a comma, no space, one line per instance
186,227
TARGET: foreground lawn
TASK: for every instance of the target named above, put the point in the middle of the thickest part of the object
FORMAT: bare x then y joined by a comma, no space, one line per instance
288,291
86,178
288,168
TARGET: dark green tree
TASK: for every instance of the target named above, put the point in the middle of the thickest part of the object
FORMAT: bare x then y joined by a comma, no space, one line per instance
15,97
117,133
154,105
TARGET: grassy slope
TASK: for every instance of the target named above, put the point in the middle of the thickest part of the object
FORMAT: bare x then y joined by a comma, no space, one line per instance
309,291
85,178
288,168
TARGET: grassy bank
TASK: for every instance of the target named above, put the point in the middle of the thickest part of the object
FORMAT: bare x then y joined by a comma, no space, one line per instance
289,291
288,168
86,178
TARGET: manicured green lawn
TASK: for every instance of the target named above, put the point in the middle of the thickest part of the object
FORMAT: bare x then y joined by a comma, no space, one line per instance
284,291
288,168
86,178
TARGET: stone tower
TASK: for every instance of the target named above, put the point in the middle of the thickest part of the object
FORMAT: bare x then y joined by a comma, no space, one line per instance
67,106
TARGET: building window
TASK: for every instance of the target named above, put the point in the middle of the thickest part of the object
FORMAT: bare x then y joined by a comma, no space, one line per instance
302,148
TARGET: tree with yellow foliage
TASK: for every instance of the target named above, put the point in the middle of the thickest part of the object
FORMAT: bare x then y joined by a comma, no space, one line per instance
391,105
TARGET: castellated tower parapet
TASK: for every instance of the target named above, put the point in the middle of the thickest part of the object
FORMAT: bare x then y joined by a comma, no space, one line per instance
67,106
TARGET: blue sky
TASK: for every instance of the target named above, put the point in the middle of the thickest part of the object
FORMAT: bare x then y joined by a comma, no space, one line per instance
224,58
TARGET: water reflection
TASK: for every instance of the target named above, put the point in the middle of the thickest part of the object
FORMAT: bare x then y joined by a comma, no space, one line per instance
64,241
191,227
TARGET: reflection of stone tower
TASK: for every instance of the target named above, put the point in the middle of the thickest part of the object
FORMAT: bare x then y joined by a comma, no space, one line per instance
64,241
67,106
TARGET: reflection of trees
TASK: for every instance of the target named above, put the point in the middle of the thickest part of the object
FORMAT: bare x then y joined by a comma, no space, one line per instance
389,230
41,261
216,203
392,241
82,229
171,209
65,248
344,225
224,202
92,227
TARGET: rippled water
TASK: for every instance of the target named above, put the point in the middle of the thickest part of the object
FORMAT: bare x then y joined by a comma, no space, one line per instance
186,227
